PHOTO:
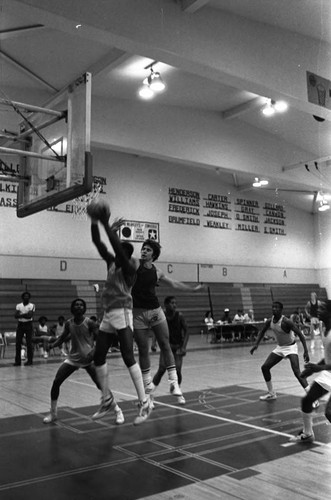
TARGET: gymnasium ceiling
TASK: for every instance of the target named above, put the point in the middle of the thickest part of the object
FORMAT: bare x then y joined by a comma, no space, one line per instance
220,59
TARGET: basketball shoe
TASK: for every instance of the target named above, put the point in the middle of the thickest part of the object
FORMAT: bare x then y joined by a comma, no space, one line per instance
268,397
145,409
175,390
303,438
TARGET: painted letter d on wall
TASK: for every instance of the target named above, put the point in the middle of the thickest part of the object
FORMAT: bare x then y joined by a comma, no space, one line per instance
63,265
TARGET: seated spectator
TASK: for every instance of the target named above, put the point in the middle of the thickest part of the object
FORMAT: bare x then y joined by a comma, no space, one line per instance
41,336
57,330
251,331
249,316
238,318
228,334
209,322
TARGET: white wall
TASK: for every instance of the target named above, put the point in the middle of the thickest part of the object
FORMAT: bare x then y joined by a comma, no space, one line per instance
137,188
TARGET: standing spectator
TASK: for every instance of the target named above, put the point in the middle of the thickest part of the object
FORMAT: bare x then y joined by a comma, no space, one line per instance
178,337
24,315
311,309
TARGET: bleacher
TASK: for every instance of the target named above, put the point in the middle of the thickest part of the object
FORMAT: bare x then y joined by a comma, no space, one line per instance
53,298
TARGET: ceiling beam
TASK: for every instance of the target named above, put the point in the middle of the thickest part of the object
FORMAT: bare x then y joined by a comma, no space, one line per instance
324,159
192,6
21,30
114,58
245,107
25,70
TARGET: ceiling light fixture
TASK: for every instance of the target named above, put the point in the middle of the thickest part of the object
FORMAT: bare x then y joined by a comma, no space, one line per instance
271,107
260,182
323,204
152,84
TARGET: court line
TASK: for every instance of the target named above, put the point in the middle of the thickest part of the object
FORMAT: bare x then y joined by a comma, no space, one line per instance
202,414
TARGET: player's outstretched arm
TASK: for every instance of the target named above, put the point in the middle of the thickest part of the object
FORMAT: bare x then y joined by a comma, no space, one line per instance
127,264
178,285
101,247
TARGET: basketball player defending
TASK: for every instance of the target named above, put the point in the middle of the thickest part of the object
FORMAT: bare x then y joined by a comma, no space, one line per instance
117,305
148,315
321,384
284,331
82,332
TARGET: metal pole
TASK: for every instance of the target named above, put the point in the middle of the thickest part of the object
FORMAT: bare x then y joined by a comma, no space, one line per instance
20,152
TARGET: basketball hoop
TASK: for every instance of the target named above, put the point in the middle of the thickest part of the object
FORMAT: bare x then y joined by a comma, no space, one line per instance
81,203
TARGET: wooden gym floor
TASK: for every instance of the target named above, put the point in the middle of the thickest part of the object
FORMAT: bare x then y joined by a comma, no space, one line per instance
223,444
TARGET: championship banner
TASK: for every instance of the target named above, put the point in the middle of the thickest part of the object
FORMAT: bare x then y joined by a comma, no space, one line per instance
132,230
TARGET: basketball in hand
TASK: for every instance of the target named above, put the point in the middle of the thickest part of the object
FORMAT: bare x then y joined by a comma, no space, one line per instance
98,209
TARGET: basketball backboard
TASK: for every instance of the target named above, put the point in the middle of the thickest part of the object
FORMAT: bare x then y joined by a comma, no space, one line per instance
56,163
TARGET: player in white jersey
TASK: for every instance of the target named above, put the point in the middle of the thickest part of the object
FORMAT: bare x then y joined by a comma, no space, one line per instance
322,383
284,330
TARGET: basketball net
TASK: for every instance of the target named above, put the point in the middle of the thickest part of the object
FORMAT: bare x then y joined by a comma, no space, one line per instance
81,203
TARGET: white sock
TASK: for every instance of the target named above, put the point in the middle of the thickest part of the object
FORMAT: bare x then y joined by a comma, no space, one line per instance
172,374
147,377
137,380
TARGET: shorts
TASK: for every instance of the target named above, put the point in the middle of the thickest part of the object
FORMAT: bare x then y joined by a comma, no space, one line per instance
116,319
324,380
285,350
145,319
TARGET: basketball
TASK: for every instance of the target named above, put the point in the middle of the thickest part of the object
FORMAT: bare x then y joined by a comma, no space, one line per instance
98,209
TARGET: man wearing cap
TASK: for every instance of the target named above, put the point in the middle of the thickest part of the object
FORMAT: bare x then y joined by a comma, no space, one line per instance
226,320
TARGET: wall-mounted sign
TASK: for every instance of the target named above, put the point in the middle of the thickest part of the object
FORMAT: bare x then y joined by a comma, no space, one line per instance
319,90
133,230
247,215
185,206
275,219
217,206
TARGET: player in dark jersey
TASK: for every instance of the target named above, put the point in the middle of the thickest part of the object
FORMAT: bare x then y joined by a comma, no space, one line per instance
148,315
178,337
